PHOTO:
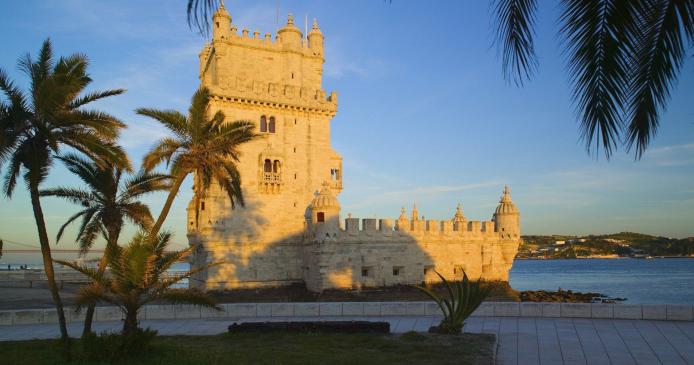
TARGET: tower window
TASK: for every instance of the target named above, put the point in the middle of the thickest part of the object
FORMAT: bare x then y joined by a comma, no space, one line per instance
335,174
366,271
397,270
263,124
202,205
217,24
276,166
267,166
271,125
320,217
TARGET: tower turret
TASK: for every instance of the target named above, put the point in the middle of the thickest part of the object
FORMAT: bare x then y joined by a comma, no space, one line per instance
221,27
325,214
290,36
507,217
315,39
459,220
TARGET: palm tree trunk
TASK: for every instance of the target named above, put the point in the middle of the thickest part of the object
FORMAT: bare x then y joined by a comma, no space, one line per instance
48,265
113,234
130,323
167,206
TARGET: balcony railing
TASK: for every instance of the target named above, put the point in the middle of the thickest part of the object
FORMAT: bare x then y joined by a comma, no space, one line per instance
272,177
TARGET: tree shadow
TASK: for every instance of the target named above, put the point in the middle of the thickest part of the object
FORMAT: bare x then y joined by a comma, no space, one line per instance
260,249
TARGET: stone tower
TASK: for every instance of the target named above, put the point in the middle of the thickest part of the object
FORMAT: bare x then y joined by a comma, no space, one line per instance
289,230
277,84
507,217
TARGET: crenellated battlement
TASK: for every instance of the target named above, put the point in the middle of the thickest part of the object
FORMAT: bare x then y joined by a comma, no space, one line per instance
284,72
245,38
354,228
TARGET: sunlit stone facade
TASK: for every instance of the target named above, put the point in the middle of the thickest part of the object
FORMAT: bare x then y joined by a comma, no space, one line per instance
290,230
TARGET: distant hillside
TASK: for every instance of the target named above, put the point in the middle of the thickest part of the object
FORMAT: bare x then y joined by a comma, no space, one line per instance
621,244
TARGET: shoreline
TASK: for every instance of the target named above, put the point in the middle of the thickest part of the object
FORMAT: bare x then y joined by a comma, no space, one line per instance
604,258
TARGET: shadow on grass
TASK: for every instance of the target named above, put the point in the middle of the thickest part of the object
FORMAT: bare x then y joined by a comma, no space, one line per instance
281,348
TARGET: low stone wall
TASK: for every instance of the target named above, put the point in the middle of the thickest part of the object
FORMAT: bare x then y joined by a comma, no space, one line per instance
670,312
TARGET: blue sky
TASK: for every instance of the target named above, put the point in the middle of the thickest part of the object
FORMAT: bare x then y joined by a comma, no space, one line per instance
424,113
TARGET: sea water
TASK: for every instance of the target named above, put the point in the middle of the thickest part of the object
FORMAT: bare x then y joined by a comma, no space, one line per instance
640,281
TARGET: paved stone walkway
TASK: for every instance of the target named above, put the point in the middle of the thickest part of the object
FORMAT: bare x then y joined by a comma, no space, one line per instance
521,340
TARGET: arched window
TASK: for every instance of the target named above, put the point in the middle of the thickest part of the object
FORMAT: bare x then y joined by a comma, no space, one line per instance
263,124
320,217
267,167
271,126
276,166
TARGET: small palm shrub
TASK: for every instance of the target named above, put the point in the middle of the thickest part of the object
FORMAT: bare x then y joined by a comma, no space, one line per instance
464,297
136,275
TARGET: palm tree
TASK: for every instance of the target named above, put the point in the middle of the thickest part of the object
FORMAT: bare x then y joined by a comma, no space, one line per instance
137,276
624,58
36,125
109,202
204,146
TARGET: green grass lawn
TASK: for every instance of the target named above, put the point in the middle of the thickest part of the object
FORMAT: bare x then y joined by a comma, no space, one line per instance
279,348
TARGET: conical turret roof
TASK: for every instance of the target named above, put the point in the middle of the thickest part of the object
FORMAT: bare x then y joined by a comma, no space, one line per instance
506,205
325,198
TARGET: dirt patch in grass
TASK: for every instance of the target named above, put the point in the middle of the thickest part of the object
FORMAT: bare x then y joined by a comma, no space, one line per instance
280,348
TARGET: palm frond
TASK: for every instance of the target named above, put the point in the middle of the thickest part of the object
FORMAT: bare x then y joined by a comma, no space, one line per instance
91,231
139,214
659,56
598,58
188,296
143,183
76,196
69,221
94,96
163,151
14,169
171,119
515,21
92,294
103,125
199,14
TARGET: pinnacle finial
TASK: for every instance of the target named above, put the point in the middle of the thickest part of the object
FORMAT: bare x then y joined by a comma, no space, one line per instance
315,23
458,217
221,4
290,19
402,214
506,197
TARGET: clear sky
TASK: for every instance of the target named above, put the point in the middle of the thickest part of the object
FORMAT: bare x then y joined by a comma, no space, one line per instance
424,114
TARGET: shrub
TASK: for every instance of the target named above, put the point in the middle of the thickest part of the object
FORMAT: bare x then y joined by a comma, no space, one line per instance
463,298
114,346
